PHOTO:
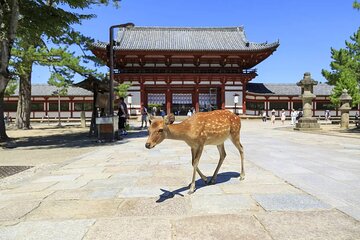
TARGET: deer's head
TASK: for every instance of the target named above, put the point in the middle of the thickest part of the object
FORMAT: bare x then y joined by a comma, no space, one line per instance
157,130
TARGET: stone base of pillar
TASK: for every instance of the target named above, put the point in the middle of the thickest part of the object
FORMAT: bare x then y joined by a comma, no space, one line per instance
307,124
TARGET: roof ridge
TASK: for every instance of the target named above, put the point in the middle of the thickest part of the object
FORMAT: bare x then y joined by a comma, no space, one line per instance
233,28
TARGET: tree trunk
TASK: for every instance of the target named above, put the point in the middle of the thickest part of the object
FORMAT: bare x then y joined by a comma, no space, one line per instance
9,16
3,136
24,102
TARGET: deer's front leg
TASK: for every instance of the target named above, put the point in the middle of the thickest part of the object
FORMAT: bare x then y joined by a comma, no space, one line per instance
203,177
197,154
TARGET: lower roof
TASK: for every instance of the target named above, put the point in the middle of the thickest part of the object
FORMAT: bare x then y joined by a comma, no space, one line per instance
285,89
48,90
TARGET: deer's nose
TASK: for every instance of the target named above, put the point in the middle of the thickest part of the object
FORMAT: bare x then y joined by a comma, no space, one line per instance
147,145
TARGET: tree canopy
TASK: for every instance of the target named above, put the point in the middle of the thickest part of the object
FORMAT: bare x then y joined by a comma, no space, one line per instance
345,68
40,25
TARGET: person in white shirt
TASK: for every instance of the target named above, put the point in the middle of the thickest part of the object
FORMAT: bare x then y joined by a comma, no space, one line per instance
293,116
283,116
189,113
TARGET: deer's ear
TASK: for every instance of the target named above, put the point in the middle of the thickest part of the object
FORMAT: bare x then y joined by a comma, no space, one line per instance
151,118
169,119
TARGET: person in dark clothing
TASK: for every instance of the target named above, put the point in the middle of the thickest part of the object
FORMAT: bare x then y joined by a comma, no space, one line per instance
123,115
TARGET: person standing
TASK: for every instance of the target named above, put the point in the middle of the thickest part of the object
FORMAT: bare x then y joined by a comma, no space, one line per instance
264,117
283,116
189,113
144,113
273,116
327,115
293,117
123,115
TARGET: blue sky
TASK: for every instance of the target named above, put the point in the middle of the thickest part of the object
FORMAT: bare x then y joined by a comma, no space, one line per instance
306,29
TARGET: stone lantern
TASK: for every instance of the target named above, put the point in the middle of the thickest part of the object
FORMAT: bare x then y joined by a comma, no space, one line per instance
345,100
307,122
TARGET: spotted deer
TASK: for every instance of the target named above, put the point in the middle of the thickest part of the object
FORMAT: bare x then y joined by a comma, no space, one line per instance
203,128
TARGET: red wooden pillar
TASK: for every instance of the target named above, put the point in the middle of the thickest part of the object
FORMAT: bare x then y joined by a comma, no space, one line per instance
168,99
244,97
223,96
267,106
196,98
143,100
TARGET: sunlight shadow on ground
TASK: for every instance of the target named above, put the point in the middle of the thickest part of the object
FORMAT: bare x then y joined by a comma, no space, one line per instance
221,178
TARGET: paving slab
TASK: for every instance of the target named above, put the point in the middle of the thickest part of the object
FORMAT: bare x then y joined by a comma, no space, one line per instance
329,225
69,194
41,230
74,209
244,227
251,188
32,187
172,206
24,196
130,229
149,191
76,184
221,204
289,202
17,210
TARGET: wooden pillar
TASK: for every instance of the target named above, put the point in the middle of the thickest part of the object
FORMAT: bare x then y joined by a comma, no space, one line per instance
267,105
168,99
143,100
196,98
72,106
244,97
223,96
46,108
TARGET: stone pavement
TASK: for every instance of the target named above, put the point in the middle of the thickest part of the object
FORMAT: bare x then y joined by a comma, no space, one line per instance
124,191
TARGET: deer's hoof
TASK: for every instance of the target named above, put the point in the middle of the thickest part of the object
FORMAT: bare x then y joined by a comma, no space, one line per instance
242,178
212,181
191,192
206,181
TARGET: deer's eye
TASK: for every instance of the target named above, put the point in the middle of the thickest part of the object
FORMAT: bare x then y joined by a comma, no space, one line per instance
161,130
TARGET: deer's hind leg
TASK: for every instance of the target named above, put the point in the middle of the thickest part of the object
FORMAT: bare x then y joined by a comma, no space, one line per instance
203,177
222,153
235,138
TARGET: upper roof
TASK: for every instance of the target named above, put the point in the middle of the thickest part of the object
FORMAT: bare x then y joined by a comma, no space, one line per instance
185,39
47,90
284,89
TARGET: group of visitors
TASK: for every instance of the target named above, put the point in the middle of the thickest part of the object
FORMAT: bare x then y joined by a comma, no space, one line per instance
295,116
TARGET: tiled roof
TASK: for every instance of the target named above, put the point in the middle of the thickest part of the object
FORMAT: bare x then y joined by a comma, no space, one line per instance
47,90
286,89
185,39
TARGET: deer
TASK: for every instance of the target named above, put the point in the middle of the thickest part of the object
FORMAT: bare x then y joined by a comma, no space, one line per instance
202,128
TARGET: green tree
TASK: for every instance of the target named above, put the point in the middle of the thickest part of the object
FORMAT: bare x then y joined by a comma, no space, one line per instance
356,5
11,87
122,90
347,80
9,15
40,20
345,68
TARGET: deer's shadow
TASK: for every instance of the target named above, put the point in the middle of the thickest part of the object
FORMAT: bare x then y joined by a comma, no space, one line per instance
221,178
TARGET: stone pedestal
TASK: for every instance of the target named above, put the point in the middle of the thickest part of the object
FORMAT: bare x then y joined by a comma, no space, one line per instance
345,100
107,128
307,122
